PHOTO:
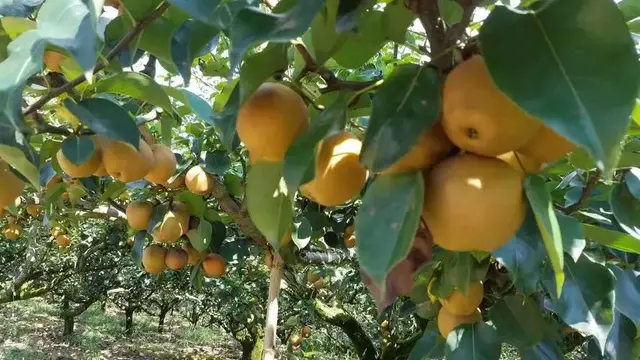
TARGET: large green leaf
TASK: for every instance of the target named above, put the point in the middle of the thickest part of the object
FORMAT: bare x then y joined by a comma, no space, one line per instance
396,19
107,119
78,149
259,67
406,104
476,341
523,256
462,269
611,238
518,321
632,180
196,203
14,26
299,161
200,237
138,86
364,42
430,346
621,340
251,26
268,201
219,13
542,206
387,223
537,59
587,299
547,349
324,37
138,247
23,162
217,162
573,241
626,209
71,24
627,292
187,41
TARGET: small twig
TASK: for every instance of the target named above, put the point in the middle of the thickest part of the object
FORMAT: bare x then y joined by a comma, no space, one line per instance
124,42
591,183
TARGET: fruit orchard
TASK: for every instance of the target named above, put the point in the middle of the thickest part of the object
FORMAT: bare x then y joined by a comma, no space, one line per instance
464,174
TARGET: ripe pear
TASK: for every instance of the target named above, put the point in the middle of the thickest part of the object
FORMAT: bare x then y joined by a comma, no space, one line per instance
458,303
12,185
213,265
153,259
52,60
194,256
176,259
199,181
473,203
165,164
432,145
547,146
12,231
124,163
270,120
339,176
447,321
138,214
84,169
478,117
174,224
34,210
522,163
63,240
177,183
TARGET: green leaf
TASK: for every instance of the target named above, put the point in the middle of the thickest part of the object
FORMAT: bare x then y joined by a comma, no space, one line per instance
196,203
299,162
251,26
113,190
187,41
430,346
587,297
573,241
25,59
157,215
611,238
261,66
547,349
450,11
302,234
537,59
107,119
632,179
626,209
363,43
138,86
200,238
233,184
218,234
268,201
478,339
14,26
461,269
218,13
518,321
196,277
78,149
71,24
406,104
396,19
324,37
387,222
620,341
19,161
542,206
138,247
139,9
217,162
523,256
627,292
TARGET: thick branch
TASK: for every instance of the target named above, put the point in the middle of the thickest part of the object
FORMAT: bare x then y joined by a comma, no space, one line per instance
591,183
124,42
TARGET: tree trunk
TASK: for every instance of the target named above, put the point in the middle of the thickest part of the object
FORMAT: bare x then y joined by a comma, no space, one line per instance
351,327
163,315
247,348
68,325
271,324
103,305
128,321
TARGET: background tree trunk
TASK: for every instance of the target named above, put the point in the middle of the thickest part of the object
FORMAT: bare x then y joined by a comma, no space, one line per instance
163,315
248,345
128,321
69,322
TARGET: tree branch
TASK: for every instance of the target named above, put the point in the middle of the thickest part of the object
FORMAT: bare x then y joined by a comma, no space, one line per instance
122,44
332,81
591,183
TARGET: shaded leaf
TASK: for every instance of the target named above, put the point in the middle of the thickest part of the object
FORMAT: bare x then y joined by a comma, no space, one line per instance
621,339
200,237
547,349
187,41
261,66
78,149
138,247
478,339
461,269
627,292
396,19
518,321
218,13
217,162
587,299
429,346
387,223
218,235
196,203
363,43
324,36
542,53
543,210
406,104
626,209
233,184
107,119
632,179
573,241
